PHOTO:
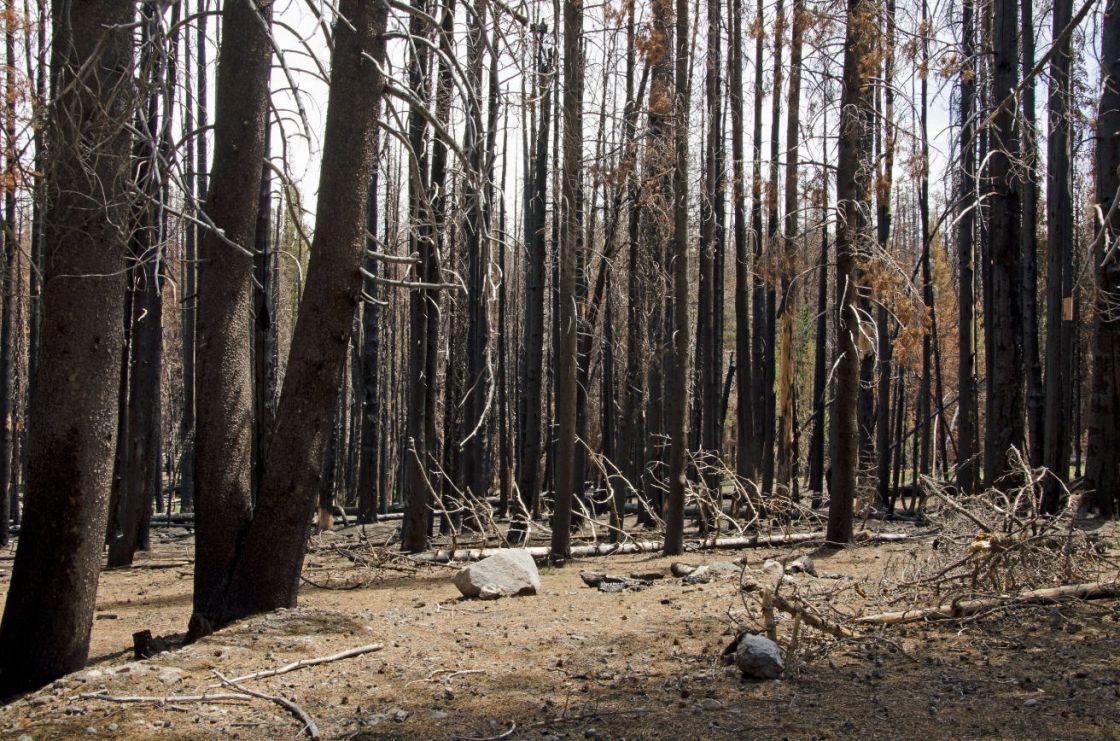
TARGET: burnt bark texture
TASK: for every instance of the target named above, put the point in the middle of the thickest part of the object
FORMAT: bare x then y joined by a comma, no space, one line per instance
49,610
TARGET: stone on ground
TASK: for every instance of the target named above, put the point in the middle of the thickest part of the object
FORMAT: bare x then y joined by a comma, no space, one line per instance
507,573
758,657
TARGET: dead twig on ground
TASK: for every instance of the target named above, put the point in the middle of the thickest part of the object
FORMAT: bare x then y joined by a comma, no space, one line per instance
293,708
304,663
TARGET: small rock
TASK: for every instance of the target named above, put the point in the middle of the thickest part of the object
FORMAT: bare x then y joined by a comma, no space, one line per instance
92,674
701,575
681,569
170,675
38,701
399,715
591,578
758,657
112,727
711,703
1034,702
612,587
723,567
91,731
511,572
438,715
801,565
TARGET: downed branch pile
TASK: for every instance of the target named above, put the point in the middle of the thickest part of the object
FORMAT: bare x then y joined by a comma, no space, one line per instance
993,551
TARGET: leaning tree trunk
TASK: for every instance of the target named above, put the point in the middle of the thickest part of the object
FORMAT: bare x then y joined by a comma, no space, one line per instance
1102,470
853,186
49,610
267,573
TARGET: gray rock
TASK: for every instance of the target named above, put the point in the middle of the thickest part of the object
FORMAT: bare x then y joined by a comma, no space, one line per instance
170,675
1034,702
701,575
801,565
399,715
759,657
681,569
509,572
724,567
711,703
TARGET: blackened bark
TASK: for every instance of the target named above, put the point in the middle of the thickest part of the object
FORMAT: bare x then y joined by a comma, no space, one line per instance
1060,349
223,448
536,183
677,405
853,202
49,610
1102,468
744,411
1004,428
570,183
267,574
966,222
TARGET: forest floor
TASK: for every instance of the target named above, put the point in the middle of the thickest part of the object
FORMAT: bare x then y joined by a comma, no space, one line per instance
574,662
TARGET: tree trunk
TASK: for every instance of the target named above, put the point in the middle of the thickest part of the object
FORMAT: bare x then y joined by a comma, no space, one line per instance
1004,428
266,576
1102,468
49,610
853,175
223,449
570,184
677,406
536,182
966,222
1060,349
744,410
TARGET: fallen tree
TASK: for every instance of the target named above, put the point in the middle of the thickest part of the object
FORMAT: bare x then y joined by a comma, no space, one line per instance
965,607
448,555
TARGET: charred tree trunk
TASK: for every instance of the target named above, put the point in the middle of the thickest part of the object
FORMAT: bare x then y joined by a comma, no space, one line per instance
853,202
1004,428
266,575
569,236
49,610
677,406
967,468
223,450
1102,466
1061,351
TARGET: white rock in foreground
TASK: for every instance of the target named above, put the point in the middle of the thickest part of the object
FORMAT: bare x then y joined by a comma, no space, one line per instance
508,573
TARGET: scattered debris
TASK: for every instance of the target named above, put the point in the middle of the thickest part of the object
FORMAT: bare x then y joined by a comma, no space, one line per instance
801,565
611,583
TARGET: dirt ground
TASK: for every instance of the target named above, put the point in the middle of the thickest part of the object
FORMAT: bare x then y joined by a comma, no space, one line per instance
573,662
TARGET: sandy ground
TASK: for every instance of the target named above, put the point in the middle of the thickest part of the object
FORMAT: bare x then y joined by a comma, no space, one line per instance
573,662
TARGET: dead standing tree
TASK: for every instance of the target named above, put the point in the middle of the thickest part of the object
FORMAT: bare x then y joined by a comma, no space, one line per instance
49,610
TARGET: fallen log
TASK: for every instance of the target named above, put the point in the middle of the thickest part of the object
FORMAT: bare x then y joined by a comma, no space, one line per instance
650,546
964,608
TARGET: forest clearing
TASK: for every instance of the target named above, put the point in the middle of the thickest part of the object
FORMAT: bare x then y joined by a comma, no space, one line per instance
576,662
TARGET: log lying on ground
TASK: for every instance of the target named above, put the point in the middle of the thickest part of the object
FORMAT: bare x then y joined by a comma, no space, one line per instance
964,608
650,546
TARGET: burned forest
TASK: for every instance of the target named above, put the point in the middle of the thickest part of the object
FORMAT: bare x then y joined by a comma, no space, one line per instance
495,369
